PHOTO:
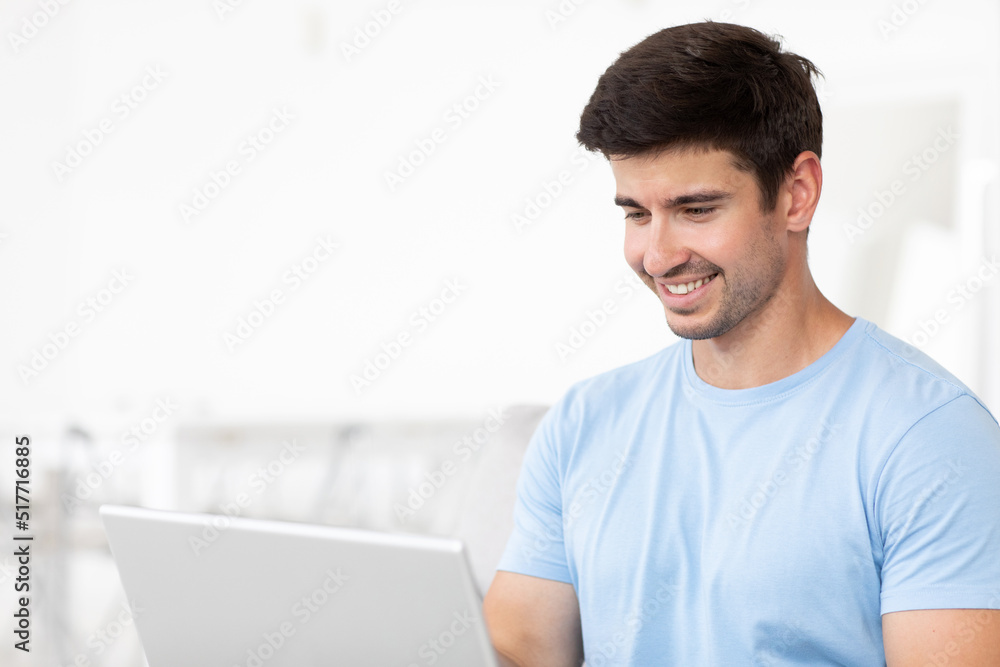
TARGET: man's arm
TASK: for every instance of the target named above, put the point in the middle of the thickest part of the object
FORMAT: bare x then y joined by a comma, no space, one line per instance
534,622
953,637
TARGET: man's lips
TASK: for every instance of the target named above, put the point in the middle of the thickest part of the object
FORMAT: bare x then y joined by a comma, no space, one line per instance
677,288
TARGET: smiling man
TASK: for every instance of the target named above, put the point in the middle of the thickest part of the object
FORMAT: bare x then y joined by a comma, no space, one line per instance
787,484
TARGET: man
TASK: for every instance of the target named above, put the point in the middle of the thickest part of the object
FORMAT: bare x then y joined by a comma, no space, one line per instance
786,485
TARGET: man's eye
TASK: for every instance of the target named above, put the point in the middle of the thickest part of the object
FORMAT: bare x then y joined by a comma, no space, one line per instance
701,211
634,215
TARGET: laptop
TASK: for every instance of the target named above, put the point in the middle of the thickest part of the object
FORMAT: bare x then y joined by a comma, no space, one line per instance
219,591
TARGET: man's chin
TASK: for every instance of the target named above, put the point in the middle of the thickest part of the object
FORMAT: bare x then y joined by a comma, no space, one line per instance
693,328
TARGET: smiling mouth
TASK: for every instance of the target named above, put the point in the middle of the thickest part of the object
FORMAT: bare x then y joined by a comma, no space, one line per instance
684,288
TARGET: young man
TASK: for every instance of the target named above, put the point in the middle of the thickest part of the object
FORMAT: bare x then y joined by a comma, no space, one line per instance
786,485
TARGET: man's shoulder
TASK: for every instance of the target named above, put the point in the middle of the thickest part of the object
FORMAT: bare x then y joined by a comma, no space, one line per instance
891,364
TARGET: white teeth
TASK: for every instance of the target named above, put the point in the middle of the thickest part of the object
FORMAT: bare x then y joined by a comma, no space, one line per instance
688,287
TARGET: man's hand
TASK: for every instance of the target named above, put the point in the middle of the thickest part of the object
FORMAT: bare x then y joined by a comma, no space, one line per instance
953,637
533,622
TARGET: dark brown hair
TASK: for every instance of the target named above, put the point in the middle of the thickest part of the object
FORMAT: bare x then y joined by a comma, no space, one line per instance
709,85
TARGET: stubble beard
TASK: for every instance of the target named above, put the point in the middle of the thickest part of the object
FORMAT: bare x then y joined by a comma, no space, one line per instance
743,293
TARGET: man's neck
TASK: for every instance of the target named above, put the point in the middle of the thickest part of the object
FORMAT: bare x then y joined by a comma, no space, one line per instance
794,329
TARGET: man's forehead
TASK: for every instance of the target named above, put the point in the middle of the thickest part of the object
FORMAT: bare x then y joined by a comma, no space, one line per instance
675,155
678,176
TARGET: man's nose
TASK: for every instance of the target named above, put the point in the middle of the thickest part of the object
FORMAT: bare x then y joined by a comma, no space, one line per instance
664,250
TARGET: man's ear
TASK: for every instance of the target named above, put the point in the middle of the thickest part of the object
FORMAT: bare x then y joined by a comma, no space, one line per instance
801,193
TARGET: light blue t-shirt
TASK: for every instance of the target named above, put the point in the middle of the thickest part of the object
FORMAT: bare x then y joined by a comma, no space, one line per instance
763,526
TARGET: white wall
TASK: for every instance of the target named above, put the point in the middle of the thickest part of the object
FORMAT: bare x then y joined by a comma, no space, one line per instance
159,341
885,96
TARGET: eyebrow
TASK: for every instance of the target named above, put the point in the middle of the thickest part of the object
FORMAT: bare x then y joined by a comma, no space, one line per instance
702,197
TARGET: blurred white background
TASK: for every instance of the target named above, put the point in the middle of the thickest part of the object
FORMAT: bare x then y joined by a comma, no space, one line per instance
139,273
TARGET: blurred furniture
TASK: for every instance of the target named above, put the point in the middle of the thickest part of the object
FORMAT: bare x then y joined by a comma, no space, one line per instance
439,477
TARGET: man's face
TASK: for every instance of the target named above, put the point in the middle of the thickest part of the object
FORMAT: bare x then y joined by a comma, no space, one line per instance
695,234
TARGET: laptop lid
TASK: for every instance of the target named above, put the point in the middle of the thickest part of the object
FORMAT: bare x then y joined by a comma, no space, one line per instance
220,591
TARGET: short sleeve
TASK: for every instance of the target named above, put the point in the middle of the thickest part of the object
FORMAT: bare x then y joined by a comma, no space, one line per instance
938,512
535,546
